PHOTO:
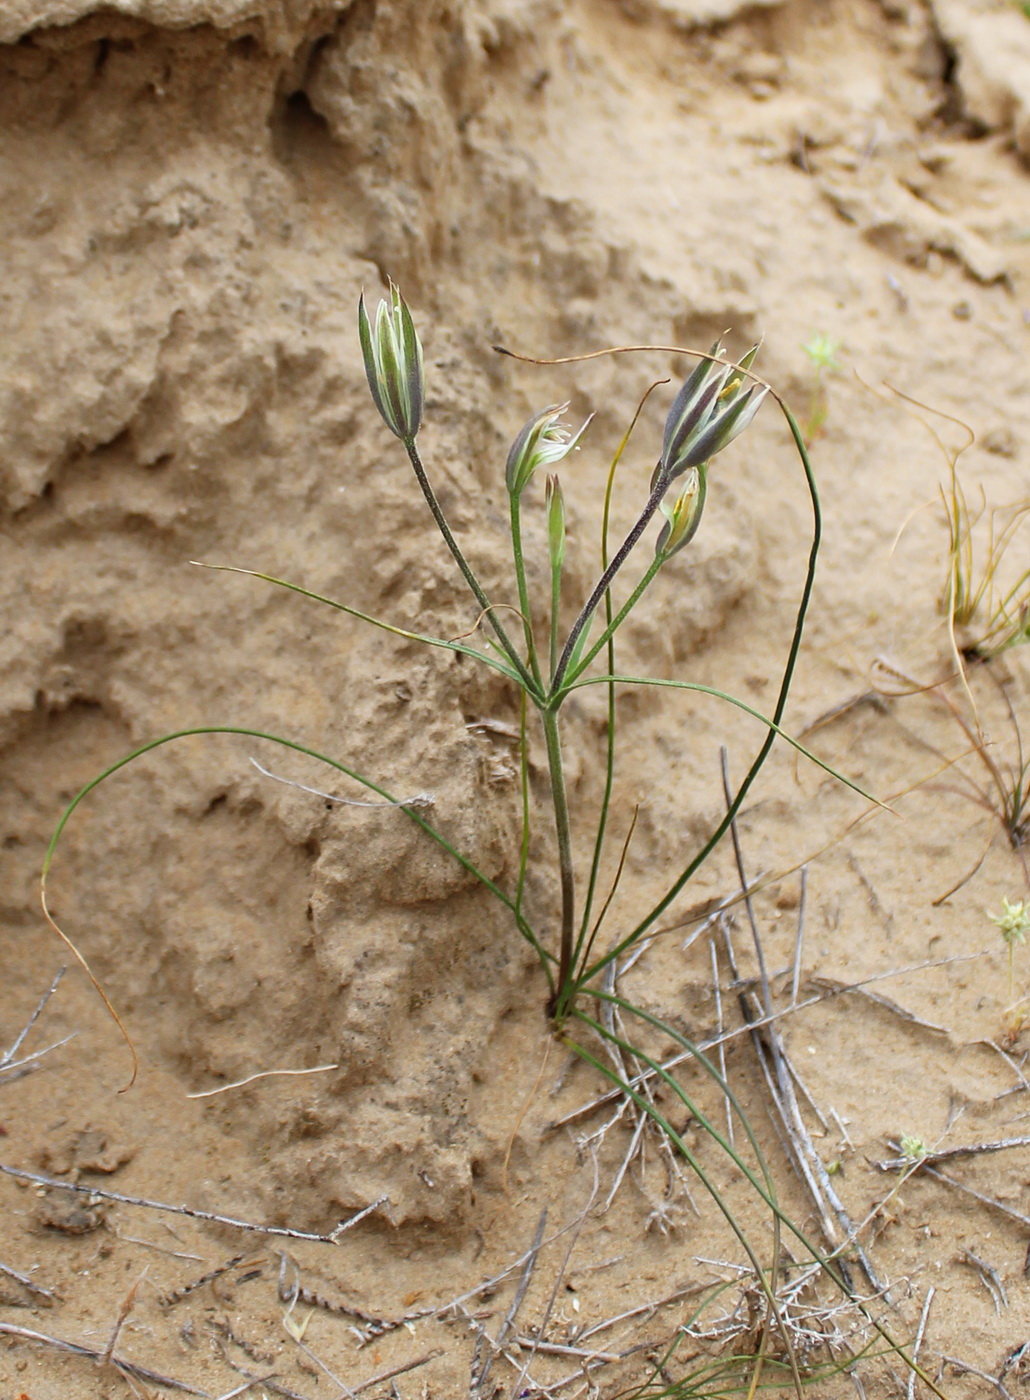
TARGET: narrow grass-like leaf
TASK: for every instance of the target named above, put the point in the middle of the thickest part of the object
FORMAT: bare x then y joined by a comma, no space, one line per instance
524,928
365,617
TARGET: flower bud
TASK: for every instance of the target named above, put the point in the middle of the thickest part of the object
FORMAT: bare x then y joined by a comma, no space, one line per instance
541,442
684,515
709,411
393,364
555,503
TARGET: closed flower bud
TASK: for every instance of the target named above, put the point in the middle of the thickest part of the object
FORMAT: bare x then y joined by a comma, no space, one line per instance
710,410
542,442
555,502
393,363
683,516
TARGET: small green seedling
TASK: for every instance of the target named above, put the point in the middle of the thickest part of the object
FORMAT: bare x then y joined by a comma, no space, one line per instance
821,349
913,1148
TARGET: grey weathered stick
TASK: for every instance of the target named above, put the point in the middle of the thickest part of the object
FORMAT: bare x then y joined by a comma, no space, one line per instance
480,1374
8,1056
719,1026
799,939
715,1041
11,1067
77,1349
642,1308
397,1371
830,984
832,1213
948,1154
999,1206
191,1211
975,1371
990,1278
911,1389
28,1283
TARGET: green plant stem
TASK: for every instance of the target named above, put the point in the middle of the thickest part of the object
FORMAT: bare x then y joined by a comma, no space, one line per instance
605,581
524,788
763,752
612,627
609,767
555,617
484,602
520,579
559,799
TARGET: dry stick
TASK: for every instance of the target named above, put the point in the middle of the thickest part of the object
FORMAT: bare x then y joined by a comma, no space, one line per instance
577,1227
831,984
964,1366
374,1326
123,1313
10,1066
911,1386
478,1381
833,1216
559,1349
345,1390
269,1382
242,1389
512,1358
331,1238
397,1371
719,1030
261,1074
32,1287
948,1153
612,1094
142,1373
990,1278
649,1308
977,1195
800,938
8,1056
176,1295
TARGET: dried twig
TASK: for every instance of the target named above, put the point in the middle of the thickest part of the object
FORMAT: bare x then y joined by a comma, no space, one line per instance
194,1214
911,1385
964,1366
830,984
396,1371
481,1372
990,1278
719,1031
997,1205
176,1295
373,1326
947,1154
643,1308
123,1313
261,1074
143,1373
799,938
9,1055
44,1293
611,1095
781,1077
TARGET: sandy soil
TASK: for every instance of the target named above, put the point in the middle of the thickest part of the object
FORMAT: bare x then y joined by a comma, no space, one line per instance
194,193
